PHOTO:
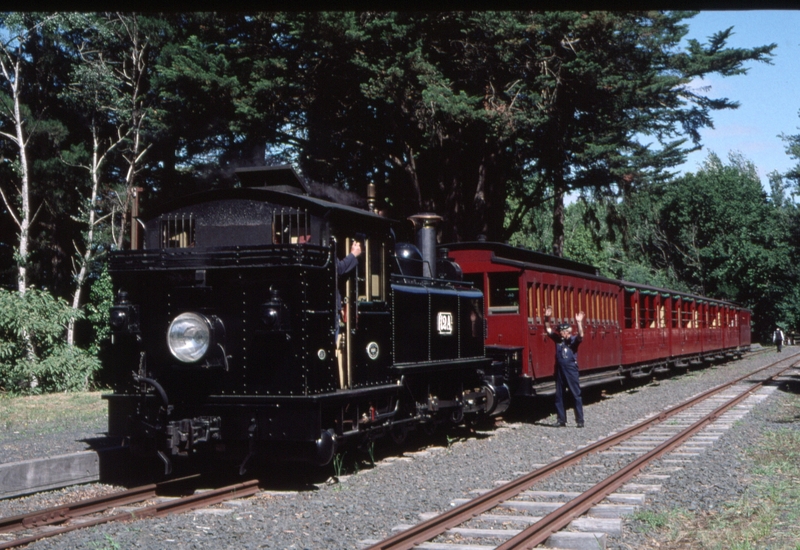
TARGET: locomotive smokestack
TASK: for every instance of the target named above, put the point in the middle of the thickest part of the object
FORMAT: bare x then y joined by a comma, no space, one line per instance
425,227
372,194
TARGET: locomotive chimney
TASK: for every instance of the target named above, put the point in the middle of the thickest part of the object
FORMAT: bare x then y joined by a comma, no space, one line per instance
425,228
372,194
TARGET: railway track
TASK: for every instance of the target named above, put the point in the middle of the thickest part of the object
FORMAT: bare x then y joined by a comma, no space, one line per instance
647,441
24,529
53,472
139,502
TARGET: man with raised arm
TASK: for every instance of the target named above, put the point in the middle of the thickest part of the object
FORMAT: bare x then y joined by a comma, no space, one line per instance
566,365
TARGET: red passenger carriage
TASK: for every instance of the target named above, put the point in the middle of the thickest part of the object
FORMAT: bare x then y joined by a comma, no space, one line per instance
631,330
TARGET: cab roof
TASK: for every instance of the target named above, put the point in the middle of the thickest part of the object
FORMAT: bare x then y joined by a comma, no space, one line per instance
281,185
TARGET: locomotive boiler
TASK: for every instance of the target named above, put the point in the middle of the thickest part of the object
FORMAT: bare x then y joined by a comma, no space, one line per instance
225,328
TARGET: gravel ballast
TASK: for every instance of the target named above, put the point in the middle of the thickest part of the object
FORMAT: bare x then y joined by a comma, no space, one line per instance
368,504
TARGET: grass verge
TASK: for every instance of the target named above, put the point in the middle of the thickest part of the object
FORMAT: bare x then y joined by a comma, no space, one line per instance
52,412
766,516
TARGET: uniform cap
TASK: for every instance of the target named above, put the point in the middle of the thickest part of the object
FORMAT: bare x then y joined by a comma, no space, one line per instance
564,326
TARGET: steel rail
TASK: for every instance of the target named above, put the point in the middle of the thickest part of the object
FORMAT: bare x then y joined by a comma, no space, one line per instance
64,512
70,510
556,520
178,505
429,529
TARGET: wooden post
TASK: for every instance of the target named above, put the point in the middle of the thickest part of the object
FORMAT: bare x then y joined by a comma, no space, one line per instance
135,218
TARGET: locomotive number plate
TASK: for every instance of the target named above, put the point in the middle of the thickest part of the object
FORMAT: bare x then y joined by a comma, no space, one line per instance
444,322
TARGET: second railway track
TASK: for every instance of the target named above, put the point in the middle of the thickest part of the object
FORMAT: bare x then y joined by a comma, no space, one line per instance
461,528
137,503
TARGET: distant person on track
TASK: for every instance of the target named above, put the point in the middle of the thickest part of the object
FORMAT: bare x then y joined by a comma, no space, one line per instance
778,338
566,365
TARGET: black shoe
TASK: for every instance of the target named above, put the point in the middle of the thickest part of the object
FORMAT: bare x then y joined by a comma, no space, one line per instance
562,424
580,424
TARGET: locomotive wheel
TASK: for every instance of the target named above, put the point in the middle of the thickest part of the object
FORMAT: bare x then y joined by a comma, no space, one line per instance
457,416
398,433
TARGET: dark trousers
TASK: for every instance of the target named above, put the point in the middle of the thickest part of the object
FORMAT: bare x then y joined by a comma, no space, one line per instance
780,344
568,377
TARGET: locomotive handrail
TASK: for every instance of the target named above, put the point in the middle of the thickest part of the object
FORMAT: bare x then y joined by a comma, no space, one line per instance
423,281
297,255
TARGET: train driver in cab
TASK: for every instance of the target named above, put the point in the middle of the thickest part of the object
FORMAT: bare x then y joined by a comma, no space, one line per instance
344,267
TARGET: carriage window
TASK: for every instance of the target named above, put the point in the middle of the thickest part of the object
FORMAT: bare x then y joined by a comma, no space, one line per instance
645,311
571,303
615,312
177,231
533,302
504,292
604,302
558,309
548,298
539,303
630,306
597,311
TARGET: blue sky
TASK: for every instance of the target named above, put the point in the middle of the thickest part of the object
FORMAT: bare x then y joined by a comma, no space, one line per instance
769,95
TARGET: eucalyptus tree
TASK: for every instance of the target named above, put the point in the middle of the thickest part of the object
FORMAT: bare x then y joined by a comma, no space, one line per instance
612,100
793,150
107,91
417,103
229,95
454,111
725,239
31,70
20,121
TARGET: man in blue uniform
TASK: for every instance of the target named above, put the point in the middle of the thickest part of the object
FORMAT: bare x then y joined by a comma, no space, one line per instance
566,365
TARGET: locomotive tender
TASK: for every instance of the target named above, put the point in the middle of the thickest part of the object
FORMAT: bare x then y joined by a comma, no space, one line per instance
225,327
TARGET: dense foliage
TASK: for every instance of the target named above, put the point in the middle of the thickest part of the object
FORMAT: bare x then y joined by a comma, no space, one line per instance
33,352
490,119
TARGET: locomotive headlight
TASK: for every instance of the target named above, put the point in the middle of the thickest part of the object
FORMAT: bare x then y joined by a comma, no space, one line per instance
123,316
275,312
189,337
271,316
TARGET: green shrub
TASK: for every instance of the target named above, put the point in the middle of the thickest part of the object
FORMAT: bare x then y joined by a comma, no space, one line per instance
34,355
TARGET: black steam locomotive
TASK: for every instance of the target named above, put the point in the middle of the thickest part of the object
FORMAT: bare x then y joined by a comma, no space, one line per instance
225,329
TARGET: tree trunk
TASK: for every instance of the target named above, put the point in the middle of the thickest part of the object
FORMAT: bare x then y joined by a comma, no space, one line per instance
558,214
88,254
479,201
25,214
